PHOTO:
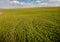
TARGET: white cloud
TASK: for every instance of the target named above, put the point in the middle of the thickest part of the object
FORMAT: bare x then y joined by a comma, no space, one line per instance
15,2
37,3
54,0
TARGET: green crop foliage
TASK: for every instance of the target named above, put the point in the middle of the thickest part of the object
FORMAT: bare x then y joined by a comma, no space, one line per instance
30,25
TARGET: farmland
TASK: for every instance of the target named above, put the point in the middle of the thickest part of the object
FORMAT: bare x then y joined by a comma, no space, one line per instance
30,24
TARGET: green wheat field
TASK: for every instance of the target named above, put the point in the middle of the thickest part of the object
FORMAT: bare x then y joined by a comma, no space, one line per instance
30,24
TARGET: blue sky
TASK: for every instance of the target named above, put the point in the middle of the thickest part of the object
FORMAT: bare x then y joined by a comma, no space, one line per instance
28,3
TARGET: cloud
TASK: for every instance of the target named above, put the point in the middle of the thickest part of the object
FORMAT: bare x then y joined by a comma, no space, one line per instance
15,2
54,0
38,1
29,3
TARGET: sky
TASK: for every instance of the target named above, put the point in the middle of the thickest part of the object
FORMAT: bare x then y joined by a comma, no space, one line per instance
28,3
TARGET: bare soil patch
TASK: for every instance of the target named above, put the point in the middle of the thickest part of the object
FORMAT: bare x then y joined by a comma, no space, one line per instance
1,12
